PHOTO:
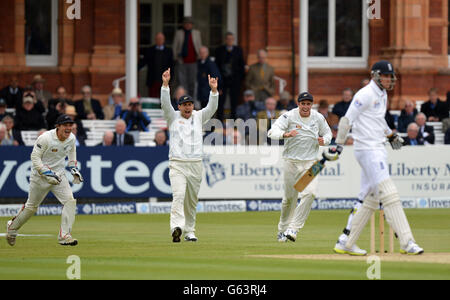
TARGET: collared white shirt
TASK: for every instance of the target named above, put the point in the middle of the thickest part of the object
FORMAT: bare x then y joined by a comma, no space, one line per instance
366,114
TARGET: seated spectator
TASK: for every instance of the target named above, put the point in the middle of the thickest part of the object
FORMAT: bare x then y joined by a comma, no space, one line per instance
71,112
108,137
179,92
28,117
413,138
59,96
88,108
12,93
364,82
12,133
447,137
3,112
407,116
260,77
54,112
114,111
161,138
79,140
324,109
205,66
286,102
425,132
4,141
38,105
435,109
341,107
134,117
249,108
41,94
121,138
269,113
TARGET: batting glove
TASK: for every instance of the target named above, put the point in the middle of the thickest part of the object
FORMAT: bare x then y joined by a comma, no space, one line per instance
77,178
396,141
333,153
51,177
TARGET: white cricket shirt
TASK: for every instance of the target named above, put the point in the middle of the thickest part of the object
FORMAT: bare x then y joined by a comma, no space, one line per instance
50,152
303,146
186,135
366,114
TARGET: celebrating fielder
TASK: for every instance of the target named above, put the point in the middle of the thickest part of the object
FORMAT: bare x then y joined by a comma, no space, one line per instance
303,130
48,174
185,155
365,117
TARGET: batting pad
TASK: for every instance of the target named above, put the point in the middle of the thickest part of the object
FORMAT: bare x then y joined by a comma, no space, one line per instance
360,220
22,217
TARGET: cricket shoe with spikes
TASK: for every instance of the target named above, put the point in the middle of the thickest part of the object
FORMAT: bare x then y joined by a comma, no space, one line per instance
176,234
411,249
354,250
340,244
291,234
67,240
190,237
281,237
10,234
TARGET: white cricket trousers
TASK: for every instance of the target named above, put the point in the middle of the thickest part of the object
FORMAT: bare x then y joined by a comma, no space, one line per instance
185,179
39,188
294,216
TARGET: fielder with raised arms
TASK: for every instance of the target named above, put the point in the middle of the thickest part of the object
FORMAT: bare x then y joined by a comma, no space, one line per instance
185,155
48,174
304,130
365,117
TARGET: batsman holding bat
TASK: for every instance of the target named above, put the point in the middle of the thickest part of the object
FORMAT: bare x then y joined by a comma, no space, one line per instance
304,130
185,155
365,117
48,174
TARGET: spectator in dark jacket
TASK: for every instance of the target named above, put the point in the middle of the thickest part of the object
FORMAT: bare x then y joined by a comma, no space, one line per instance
413,138
89,108
341,107
447,137
28,117
205,67
231,64
12,94
435,109
121,138
135,119
286,102
426,132
249,108
407,116
3,112
157,58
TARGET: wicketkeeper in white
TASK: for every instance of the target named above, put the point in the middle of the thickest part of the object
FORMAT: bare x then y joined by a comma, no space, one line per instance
185,155
366,118
303,131
48,174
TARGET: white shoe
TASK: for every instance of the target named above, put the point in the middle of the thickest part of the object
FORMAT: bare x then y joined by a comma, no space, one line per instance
10,234
412,249
67,240
355,250
281,237
340,244
190,237
291,234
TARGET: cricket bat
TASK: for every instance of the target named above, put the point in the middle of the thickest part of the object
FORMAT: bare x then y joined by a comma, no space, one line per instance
312,172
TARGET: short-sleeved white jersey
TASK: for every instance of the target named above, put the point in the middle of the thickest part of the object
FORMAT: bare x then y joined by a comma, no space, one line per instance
366,114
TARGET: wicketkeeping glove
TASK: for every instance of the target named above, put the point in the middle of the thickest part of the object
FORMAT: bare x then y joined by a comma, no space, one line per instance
77,178
51,177
396,141
333,153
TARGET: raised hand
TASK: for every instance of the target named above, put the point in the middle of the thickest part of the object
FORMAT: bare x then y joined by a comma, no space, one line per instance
213,83
166,78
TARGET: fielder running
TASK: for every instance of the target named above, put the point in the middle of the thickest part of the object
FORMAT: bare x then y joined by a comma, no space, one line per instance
303,130
185,155
365,117
48,174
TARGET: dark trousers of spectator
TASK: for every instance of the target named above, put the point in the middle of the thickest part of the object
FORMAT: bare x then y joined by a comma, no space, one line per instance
187,77
155,89
233,89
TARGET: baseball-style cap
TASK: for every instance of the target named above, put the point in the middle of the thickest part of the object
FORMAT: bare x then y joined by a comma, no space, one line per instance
383,67
184,99
305,96
249,93
64,119
188,19
28,99
2,102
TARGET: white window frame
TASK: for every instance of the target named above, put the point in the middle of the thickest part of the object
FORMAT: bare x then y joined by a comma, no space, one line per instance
331,61
52,59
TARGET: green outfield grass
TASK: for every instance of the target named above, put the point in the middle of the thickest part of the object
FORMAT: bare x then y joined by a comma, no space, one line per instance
140,247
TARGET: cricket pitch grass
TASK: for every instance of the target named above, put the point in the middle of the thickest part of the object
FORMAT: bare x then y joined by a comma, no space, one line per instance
235,246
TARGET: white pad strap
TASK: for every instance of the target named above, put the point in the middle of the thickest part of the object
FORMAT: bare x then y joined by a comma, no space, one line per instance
343,129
